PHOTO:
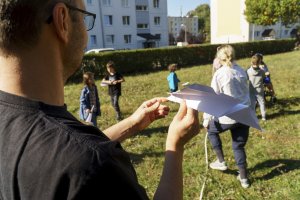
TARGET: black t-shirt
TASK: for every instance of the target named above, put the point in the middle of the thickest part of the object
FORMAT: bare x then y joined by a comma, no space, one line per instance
46,153
114,89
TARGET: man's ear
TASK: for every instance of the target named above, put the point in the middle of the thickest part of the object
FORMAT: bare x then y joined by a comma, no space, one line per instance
61,21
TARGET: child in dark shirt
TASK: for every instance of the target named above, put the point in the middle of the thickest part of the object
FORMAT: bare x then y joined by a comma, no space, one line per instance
114,80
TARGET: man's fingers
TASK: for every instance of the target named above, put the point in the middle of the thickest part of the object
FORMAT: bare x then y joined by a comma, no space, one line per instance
192,112
182,110
154,100
152,107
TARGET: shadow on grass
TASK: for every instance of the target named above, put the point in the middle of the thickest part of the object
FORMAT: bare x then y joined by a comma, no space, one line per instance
278,167
138,158
150,131
283,107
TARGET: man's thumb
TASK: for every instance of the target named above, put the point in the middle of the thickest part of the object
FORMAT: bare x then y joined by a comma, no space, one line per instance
153,107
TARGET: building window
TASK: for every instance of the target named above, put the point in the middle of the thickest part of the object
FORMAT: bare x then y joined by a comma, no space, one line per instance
126,20
110,39
286,32
93,39
158,36
156,3
156,20
108,20
106,2
257,33
141,8
124,3
127,39
142,25
89,2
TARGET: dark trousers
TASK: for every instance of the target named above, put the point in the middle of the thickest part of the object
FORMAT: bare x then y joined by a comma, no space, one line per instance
115,103
239,135
174,90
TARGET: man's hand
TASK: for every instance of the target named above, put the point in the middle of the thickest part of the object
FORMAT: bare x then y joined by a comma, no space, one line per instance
206,123
184,126
148,112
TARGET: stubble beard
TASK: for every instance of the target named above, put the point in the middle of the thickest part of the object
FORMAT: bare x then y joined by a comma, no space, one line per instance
74,53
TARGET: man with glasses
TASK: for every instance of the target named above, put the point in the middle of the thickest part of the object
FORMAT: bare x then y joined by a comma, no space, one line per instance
46,153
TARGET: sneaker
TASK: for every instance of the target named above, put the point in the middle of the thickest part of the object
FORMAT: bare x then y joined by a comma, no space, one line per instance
119,117
244,182
218,165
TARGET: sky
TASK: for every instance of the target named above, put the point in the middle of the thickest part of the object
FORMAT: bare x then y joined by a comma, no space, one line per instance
187,5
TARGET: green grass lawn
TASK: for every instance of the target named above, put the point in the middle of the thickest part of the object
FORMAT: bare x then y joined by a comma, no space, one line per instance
273,155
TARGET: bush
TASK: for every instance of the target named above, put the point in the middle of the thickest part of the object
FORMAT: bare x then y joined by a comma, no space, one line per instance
148,60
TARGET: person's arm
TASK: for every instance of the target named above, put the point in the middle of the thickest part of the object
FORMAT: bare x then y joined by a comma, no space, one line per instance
120,79
176,78
84,101
97,101
106,80
184,126
139,120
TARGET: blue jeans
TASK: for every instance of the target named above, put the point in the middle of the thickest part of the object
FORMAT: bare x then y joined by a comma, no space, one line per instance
239,135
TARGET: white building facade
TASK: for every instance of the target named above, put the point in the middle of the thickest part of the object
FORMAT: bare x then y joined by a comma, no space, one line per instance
229,25
176,24
128,24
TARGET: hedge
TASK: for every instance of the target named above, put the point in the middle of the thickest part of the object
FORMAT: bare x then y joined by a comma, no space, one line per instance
149,60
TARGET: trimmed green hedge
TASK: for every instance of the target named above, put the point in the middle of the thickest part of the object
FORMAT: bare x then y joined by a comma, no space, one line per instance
148,60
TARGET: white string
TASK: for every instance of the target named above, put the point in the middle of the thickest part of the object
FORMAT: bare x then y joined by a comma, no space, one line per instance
206,160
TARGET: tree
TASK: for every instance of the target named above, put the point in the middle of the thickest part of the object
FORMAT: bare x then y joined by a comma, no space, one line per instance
269,12
203,14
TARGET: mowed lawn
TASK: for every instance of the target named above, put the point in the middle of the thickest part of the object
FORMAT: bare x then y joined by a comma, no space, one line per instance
273,155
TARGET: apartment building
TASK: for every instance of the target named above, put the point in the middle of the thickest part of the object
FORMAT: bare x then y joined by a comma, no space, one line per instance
128,24
229,25
176,24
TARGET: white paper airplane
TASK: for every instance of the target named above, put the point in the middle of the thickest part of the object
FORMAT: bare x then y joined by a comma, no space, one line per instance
204,99
103,84
89,118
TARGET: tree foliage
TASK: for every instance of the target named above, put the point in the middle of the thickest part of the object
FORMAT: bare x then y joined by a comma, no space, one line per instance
269,12
203,14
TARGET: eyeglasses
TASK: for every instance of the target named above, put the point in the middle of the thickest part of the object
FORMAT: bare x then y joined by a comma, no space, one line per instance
89,18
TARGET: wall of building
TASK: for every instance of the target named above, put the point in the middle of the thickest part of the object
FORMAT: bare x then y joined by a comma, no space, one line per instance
176,24
101,35
161,28
229,24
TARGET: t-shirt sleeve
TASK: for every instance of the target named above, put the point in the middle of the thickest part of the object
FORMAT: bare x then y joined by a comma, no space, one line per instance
119,76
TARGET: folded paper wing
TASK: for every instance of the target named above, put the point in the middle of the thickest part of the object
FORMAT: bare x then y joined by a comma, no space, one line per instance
89,118
204,99
103,84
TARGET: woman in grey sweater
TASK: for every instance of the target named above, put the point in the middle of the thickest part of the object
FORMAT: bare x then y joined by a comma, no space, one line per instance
231,80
